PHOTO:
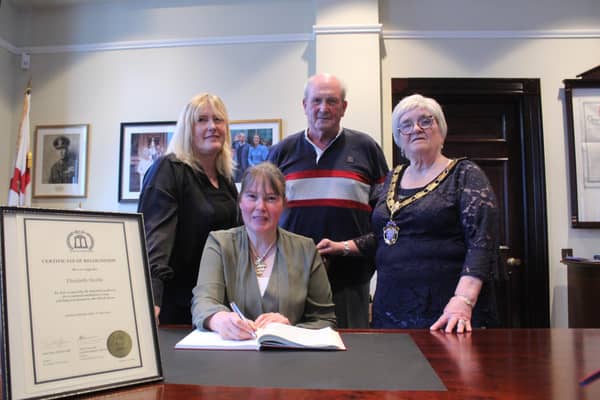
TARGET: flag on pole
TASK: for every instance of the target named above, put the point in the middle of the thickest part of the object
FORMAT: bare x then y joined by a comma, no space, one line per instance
19,193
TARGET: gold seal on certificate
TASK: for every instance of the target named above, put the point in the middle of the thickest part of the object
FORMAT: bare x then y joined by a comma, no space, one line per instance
119,344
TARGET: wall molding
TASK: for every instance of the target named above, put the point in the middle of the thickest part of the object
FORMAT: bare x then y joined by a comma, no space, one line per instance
346,29
514,34
8,47
302,37
153,44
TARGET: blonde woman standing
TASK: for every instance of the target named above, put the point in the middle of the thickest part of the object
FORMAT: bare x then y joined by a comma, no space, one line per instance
186,194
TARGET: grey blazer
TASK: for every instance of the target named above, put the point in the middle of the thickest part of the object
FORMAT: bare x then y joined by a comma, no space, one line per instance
298,287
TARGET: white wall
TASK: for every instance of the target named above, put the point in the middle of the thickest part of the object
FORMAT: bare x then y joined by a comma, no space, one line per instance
8,19
475,15
257,55
550,60
104,89
129,20
8,111
353,56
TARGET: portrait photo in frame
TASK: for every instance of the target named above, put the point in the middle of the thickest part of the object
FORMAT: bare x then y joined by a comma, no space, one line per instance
142,143
582,100
251,140
60,160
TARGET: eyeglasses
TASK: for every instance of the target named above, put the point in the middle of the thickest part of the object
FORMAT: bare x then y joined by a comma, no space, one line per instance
424,122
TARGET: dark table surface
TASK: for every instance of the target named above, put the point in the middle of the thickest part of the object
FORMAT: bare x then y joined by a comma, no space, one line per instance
393,361
485,364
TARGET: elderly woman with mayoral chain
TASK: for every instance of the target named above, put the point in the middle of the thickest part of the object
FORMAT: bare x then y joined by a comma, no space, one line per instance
271,274
434,232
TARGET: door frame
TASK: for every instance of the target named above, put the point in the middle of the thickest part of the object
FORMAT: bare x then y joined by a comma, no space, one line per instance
534,292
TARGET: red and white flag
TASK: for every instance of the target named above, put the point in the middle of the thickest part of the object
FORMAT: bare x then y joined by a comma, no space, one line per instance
19,193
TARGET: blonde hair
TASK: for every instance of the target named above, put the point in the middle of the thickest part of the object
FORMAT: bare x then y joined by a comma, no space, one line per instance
181,145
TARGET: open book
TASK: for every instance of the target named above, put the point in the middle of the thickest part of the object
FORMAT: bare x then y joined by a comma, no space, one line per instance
274,335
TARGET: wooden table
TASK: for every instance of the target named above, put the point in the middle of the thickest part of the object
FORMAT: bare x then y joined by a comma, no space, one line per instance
486,364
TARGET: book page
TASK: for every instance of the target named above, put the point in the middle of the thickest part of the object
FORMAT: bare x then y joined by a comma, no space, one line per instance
277,335
212,340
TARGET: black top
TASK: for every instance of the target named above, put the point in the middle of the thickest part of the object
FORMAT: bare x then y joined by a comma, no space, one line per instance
180,207
450,232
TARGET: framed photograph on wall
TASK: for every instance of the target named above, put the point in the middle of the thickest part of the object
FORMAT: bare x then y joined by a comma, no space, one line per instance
251,140
60,160
582,100
141,144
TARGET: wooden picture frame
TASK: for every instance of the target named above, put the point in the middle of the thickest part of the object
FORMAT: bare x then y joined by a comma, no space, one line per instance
60,160
77,308
582,102
141,144
267,131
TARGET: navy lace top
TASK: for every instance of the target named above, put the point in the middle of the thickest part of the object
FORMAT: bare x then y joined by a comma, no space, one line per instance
450,232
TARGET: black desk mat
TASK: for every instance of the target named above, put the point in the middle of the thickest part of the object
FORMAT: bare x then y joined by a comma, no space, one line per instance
373,361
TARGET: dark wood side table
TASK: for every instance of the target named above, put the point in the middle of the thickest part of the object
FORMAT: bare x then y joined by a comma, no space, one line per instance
583,279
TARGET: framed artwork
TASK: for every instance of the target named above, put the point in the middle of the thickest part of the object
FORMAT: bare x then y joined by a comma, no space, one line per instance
141,144
60,161
251,140
77,309
582,100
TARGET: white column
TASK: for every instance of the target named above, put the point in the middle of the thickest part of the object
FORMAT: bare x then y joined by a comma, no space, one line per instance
347,44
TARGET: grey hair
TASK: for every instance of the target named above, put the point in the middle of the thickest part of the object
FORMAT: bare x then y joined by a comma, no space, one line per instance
409,103
311,80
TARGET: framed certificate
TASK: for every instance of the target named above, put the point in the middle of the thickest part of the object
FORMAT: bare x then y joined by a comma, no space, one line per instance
77,310
582,99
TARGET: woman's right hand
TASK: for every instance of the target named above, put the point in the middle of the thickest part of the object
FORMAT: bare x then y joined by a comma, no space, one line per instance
329,247
156,314
231,327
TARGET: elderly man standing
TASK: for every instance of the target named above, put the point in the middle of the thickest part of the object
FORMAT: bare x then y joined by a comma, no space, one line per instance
332,176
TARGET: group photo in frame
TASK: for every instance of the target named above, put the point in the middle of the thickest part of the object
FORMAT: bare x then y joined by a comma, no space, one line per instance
251,140
142,143
582,100
60,160
77,309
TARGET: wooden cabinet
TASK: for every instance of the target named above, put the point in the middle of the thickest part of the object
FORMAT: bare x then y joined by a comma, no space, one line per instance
584,293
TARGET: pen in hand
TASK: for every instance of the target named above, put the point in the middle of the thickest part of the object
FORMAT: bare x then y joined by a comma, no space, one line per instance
590,378
236,310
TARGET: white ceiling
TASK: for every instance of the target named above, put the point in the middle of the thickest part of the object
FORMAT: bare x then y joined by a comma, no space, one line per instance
48,3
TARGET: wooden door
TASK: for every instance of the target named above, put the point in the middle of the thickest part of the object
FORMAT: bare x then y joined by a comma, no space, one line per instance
497,124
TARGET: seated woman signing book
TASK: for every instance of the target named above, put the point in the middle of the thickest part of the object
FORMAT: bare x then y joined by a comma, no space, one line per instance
271,274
